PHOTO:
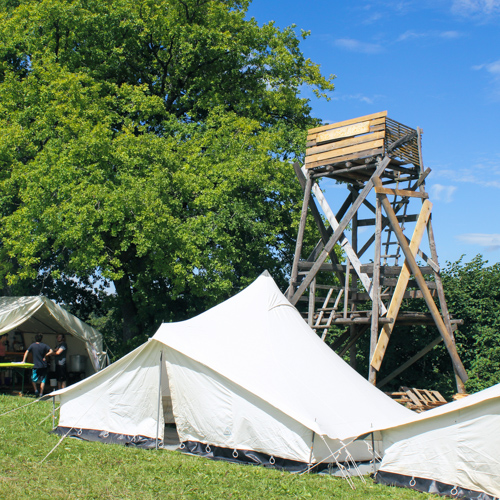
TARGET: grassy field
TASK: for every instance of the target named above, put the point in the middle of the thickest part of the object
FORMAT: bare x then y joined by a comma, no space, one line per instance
81,470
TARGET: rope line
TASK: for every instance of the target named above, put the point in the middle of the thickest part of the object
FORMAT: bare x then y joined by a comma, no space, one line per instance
49,415
20,407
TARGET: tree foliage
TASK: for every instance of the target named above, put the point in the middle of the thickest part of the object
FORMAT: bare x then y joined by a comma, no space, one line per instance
473,295
147,144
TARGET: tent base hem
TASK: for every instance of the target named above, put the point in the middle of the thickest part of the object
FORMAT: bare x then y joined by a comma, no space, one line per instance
107,437
248,457
429,486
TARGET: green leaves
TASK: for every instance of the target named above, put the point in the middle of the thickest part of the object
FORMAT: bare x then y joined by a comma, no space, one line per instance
148,144
473,294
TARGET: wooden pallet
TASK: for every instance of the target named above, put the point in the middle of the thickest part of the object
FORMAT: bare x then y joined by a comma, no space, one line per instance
359,139
418,399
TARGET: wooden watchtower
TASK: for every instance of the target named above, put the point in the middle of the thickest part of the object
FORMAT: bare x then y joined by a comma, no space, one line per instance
375,158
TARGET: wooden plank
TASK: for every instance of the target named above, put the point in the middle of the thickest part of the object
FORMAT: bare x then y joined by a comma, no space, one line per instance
344,242
346,122
376,125
343,132
422,395
393,270
410,259
430,396
401,218
431,285
346,142
353,156
439,397
312,303
330,155
300,237
372,373
413,398
319,319
397,297
332,314
401,192
346,288
382,165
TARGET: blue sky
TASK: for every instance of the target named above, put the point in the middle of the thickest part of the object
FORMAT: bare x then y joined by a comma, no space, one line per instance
430,64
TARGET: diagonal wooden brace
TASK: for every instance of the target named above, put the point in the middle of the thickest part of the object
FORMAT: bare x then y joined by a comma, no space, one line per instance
415,270
325,234
404,277
344,242
339,231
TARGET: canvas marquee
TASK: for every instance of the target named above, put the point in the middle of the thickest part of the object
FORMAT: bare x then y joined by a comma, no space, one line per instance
37,314
247,380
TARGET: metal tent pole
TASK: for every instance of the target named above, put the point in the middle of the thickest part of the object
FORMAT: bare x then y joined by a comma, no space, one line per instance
159,401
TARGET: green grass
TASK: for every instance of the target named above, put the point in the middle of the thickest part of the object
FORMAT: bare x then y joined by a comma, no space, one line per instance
82,470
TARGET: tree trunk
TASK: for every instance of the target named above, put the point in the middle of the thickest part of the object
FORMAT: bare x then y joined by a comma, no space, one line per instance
129,310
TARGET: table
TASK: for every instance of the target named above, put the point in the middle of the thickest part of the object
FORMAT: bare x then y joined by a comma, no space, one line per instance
18,369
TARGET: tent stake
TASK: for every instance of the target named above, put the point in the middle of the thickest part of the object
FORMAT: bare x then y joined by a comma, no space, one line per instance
159,402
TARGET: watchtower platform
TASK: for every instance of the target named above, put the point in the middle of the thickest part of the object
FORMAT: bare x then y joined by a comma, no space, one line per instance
372,156
345,150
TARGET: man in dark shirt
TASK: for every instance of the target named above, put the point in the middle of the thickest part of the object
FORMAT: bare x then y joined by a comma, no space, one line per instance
40,370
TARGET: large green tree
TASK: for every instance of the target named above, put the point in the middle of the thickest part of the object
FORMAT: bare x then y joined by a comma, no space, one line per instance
147,144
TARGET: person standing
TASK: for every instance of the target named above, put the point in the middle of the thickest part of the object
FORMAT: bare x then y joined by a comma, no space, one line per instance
3,352
39,374
61,352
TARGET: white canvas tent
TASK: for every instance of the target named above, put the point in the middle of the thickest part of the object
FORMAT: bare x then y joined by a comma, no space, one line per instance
247,380
452,450
27,316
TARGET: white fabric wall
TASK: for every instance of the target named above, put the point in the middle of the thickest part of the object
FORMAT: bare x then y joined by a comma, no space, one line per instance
456,444
211,409
123,398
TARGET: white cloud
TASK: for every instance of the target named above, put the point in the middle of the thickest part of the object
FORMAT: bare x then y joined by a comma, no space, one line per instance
373,18
494,70
413,35
356,97
450,34
484,173
358,46
475,8
442,193
409,35
490,241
